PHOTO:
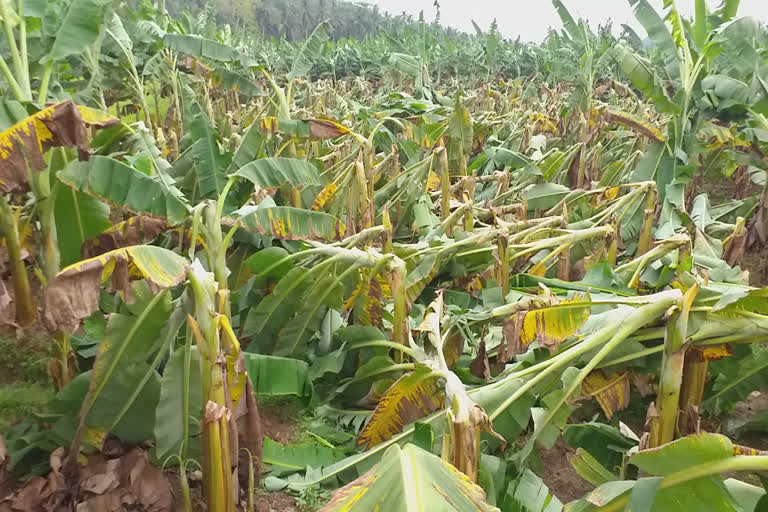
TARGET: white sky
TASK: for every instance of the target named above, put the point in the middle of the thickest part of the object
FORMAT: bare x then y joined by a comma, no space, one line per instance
530,18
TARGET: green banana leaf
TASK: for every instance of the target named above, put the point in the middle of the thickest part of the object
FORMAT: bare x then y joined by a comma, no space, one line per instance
310,51
288,223
81,24
410,480
198,46
124,187
278,171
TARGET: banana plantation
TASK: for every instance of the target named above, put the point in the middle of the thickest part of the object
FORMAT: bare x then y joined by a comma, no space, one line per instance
419,270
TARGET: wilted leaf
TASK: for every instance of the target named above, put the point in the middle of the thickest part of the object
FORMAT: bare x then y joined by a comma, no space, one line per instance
292,458
125,187
367,297
410,398
683,453
74,292
24,144
479,365
309,128
289,223
636,123
550,326
134,231
612,393
277,171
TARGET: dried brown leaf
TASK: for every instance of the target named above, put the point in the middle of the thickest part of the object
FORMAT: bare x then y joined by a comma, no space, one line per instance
134,231
24,144
215,412
324,129
612,393
479,365
74,292
512,344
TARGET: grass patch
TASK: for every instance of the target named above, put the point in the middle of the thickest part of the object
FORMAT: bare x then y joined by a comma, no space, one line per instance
22,400
25,387
24,359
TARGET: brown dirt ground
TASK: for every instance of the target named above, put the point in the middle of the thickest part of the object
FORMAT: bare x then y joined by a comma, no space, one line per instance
279,424
558,474
275,502
279,421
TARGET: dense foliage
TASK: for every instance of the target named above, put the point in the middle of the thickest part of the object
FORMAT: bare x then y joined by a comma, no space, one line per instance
454,250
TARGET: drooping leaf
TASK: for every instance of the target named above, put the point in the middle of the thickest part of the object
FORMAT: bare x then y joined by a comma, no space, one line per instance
277,171
310,51
410,398
460,134
206,48
74,292
606,443
529,494
735,378
303,128
636,123
589,468
641,75
25,143
683,453
124,187
277,376
290,223
134,231
133,427
612,393
545,195
432,484
285,459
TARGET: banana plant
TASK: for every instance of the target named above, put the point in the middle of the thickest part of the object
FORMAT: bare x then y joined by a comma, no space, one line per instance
63,29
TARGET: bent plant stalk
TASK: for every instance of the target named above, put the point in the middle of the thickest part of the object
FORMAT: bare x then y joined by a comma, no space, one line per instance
664,425
9,230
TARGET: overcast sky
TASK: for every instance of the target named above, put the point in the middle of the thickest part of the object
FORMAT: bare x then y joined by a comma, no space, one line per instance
529,19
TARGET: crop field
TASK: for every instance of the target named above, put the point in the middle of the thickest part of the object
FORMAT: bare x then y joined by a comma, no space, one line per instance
303,255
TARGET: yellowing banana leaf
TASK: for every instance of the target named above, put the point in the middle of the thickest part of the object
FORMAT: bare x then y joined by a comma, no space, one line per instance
289,223
367,300
304,128
410,398
410,480
74,292
550,326
635,123
325,195
277,171
612,393
24,144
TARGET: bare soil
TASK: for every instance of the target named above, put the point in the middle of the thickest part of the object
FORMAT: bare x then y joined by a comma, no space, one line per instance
279,421
558,474
275,502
